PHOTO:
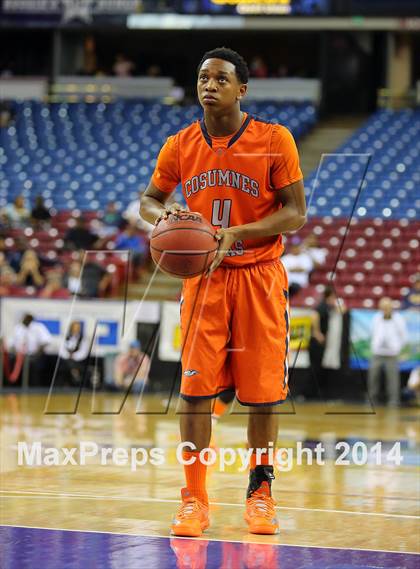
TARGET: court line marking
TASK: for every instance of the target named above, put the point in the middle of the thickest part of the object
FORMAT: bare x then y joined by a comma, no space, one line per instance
212,539
32,494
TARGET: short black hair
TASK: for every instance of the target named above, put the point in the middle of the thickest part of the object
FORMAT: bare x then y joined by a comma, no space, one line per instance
227,54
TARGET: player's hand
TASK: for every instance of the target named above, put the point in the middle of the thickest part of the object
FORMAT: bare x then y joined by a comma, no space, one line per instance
170,209
226,238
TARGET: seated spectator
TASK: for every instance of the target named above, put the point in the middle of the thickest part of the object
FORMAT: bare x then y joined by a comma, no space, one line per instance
258,67
7,281
72,278
16,214
298,265
74,352
80,236
412,298
132,215
110,221
316,253
132,240
14,255
54,287
3,260
154,70
40,214
123,67
95,281
132,368
30,272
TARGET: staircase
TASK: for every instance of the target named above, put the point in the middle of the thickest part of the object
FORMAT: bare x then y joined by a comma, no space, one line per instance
325,138
162,287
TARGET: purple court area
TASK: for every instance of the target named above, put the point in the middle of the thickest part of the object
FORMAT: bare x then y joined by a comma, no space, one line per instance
26,548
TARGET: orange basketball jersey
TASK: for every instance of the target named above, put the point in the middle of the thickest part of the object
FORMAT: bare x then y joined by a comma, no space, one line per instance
232,180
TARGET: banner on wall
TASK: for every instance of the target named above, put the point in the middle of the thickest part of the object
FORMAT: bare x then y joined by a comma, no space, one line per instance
113,327
170,335
361,332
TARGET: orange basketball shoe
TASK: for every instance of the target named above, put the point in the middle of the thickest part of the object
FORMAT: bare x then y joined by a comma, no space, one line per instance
192,517
260,513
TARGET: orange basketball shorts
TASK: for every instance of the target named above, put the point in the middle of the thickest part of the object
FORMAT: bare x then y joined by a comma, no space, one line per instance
235,334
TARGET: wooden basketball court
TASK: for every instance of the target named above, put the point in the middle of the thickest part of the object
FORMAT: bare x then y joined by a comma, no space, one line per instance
361,514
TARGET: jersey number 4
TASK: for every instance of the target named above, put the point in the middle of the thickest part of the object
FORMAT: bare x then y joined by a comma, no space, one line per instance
221,213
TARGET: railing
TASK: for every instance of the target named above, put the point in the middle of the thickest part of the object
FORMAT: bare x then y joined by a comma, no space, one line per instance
392,99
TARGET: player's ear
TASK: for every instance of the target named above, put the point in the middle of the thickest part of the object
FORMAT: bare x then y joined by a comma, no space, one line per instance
242,91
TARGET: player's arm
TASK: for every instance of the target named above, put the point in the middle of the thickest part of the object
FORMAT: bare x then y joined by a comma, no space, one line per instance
154,204
290,217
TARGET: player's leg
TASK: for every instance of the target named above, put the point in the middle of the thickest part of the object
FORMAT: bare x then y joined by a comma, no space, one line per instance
263,424
260,338
205,332
220,405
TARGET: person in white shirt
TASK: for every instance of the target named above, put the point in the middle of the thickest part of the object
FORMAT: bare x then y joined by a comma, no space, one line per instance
298,265
389,336
74,352
132,215
316,253
30,339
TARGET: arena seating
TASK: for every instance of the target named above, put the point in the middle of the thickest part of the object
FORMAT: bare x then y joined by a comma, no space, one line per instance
382,159
85,155
368,259
81,156
379,254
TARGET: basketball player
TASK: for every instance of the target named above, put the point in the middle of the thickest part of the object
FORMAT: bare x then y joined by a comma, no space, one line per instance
243,175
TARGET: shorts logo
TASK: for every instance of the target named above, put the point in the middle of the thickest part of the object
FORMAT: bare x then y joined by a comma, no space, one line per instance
190,372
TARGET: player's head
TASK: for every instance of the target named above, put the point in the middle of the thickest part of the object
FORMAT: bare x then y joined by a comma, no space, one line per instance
222,79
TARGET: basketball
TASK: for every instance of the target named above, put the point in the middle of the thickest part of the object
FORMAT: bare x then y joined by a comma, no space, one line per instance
183,245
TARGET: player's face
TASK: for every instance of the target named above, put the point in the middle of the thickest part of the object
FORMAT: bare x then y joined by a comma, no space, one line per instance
218,86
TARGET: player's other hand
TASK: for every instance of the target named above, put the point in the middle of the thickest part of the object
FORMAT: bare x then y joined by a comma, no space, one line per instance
174,208
226,238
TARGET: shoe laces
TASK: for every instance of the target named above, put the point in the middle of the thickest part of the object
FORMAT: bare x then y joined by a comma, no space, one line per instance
190,508
262,504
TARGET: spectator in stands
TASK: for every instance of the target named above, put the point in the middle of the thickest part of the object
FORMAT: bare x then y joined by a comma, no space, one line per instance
389,336
95,280
14,255
6,113
74,352
258,67
7,280
298,265
132,215
110,222
80,236
132,240
130,365
412,298
31,338
54,287
72,277
123,67
16,214
328,345
30,272
316,253
154,70
40,214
